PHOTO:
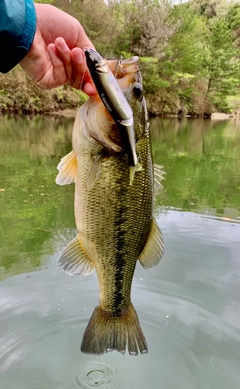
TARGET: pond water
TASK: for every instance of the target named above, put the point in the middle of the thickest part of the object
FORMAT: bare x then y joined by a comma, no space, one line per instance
188,306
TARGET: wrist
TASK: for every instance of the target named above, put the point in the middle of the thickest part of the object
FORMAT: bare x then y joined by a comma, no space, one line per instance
18,30
30,25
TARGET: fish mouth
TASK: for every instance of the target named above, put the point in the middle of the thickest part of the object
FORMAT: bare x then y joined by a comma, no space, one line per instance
128,77
122,68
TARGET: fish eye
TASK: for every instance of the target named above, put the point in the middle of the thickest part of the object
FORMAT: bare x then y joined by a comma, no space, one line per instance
137,90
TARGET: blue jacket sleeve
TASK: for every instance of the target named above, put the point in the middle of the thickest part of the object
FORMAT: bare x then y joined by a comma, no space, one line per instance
17,30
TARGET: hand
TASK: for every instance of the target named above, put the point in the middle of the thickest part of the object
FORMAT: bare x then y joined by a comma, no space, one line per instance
55,56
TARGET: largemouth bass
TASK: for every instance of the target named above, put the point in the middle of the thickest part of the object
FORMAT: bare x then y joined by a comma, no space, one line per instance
114,217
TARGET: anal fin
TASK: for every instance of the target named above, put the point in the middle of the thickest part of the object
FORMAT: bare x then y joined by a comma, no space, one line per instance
154,247
74,261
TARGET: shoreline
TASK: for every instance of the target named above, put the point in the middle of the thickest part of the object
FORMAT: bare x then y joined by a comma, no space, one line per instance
71,112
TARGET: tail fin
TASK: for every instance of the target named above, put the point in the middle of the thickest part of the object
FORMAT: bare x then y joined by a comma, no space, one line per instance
107,332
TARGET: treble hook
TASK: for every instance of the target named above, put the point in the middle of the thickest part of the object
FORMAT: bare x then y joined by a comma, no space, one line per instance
117,64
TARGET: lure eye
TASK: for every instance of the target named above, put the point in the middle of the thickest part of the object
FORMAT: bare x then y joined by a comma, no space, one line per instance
137,91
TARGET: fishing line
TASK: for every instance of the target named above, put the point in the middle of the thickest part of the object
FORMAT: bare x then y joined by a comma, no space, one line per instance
85,72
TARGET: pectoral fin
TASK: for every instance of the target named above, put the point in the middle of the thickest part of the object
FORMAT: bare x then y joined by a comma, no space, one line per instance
67,169
154,247
74,261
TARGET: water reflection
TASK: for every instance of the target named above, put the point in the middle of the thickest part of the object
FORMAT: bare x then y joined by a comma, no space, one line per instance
201,158
188,305
33,208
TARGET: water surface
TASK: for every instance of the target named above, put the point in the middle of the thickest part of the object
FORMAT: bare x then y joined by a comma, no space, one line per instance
188,305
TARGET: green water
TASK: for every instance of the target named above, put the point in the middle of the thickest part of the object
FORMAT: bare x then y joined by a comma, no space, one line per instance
202,161
188,305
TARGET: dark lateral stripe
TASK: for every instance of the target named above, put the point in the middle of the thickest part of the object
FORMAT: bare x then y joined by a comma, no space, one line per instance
119,260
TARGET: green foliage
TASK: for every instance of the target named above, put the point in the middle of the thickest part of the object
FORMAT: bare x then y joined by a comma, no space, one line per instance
144,26
199,38
233,20
206,8
185,47
222,63
151,78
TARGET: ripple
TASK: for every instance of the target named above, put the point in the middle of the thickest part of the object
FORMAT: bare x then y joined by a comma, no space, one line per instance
93,375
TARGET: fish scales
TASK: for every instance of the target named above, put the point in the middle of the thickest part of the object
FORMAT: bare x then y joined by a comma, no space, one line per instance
116,232
114,219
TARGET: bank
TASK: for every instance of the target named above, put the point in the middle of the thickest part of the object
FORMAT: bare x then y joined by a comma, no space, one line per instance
19,95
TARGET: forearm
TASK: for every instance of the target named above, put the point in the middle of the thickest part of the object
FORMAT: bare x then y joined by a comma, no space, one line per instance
17,30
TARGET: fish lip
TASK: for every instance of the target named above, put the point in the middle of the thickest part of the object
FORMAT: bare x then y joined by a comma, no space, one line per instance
93,55
95,64
130,61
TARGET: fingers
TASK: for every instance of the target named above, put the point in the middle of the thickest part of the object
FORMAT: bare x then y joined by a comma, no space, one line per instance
58,70
89,89
64,54
79,68
69,66
80,77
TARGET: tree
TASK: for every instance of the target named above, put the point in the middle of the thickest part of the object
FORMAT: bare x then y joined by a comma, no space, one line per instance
185,46
146,26
233,20
205,8
174,75
222,63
